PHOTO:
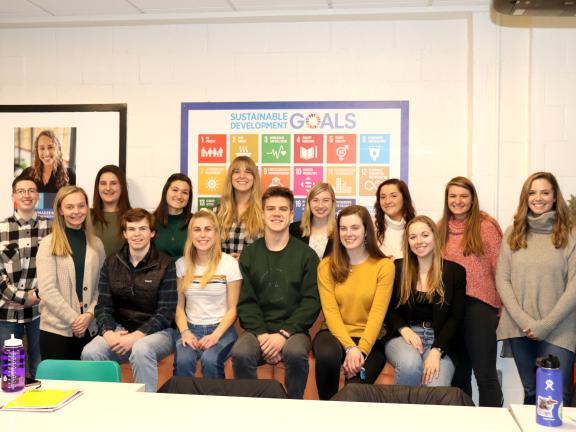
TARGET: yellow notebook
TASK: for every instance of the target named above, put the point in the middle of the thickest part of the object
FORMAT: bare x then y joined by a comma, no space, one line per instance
42,400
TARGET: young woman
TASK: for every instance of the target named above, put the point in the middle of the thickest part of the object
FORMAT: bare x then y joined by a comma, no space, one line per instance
472,238
394,209
536,281
48,170
240,210
426,310
355,285
109,203
209,286
172,215
68,266
318,220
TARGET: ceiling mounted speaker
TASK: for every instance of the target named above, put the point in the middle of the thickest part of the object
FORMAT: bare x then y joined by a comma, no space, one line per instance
564,8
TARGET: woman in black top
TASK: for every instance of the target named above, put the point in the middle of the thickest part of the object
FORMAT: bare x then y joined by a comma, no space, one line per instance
426,309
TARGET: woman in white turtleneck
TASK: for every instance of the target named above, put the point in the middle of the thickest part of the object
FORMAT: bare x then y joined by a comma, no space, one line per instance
394,208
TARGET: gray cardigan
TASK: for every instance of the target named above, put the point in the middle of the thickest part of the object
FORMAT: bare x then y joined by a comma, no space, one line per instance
57,287
538,286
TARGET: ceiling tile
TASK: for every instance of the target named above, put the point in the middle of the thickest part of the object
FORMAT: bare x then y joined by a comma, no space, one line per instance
172,6
19,8
86,7
245,5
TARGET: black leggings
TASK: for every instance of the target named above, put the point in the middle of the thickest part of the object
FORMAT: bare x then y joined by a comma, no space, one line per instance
55,346
477,340
329,355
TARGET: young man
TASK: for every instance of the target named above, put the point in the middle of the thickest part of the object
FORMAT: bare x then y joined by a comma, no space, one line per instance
279,297
137,302
20,235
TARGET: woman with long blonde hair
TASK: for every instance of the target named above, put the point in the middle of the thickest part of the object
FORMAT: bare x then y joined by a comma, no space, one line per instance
48,169
426,310
355,285
472,238
316,228
536,280
240,209
209,284
68,265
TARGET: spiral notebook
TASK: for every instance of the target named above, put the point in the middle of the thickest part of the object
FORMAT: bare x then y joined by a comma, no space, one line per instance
42,400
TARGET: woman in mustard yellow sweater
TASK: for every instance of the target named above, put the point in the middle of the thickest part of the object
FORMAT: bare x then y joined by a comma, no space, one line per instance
355,285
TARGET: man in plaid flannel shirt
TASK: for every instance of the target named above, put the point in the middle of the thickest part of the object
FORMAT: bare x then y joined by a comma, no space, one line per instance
20,235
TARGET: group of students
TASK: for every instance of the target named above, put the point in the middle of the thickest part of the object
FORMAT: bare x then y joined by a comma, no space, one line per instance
431,298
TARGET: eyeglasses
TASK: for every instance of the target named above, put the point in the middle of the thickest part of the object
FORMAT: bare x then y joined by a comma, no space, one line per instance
22,192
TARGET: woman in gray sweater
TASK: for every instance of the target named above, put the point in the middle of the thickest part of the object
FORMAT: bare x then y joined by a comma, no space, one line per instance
536,281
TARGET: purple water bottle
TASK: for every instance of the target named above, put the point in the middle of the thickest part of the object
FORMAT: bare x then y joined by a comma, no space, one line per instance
13,365
549,391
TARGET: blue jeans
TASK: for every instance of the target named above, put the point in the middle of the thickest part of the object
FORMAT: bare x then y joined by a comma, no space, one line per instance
212,360
409,363
526,351
143,357
32,330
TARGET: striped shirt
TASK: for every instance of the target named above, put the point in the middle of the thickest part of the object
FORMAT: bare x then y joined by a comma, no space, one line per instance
19,241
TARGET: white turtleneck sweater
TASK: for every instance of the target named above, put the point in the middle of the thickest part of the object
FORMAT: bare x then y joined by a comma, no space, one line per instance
392,245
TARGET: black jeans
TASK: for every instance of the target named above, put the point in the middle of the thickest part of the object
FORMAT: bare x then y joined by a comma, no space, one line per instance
55,346
329,355
477,342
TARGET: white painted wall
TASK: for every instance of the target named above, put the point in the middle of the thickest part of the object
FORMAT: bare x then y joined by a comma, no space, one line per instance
493,102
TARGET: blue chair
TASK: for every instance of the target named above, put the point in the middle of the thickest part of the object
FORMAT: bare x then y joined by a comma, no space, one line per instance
79,370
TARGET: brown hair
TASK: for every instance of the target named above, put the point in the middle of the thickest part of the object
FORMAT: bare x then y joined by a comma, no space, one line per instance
408,211
278,191
339,259
136,215
471,241
123,200
161,212
564,222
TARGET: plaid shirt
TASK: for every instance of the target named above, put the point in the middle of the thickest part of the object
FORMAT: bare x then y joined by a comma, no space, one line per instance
237,239
19,241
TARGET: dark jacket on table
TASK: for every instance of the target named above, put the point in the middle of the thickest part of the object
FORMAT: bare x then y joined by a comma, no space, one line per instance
297,232
446,317
138,298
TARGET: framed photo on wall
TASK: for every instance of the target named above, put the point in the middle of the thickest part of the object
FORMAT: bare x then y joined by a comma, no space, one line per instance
59,145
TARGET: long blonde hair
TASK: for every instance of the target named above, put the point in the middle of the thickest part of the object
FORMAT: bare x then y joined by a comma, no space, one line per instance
564,221
60,245
307,216
228,209
410,267
191,254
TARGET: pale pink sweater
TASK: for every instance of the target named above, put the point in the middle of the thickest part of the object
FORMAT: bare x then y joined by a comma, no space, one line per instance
480,269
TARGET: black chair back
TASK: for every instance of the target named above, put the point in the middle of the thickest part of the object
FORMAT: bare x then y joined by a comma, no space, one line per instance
221,387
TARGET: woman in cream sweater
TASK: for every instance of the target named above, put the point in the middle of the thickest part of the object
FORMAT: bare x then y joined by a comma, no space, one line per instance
68,265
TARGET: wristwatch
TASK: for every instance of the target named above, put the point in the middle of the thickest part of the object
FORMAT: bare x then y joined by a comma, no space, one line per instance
284,333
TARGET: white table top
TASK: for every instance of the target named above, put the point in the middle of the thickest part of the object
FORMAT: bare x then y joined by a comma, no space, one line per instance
97,410
87,386
525,416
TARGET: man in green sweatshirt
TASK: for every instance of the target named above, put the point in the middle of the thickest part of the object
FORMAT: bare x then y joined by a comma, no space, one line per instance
279,297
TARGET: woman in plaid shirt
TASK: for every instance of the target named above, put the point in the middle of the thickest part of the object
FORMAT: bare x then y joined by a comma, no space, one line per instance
240,210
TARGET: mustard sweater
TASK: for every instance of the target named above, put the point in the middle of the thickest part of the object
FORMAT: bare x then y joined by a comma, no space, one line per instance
356,308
